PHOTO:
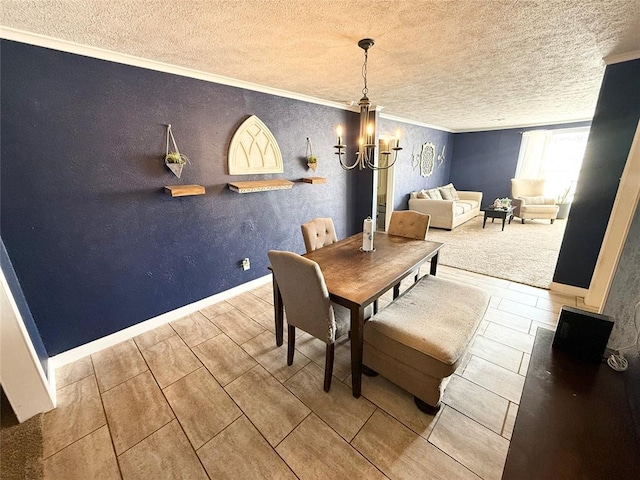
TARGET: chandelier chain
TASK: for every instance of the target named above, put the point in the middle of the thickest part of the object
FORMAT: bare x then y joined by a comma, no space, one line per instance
365,90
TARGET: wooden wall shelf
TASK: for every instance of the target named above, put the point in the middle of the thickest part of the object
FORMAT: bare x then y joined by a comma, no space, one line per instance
314,180
260,186
184,190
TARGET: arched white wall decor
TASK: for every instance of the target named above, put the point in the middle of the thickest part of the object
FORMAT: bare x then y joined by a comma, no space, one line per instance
254,149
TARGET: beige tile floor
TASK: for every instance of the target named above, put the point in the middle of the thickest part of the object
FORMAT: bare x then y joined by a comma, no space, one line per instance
210,396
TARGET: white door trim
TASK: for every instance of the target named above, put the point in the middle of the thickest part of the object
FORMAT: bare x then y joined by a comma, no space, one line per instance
391,190
622,213
21,373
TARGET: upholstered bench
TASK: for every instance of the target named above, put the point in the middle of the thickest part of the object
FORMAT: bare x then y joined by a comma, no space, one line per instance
419,340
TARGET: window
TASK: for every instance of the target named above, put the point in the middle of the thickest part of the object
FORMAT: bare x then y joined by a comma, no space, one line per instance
555,155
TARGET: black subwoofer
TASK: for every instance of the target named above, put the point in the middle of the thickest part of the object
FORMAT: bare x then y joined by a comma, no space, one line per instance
582,334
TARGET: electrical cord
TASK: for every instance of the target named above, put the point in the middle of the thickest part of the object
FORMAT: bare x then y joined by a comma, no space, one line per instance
616,360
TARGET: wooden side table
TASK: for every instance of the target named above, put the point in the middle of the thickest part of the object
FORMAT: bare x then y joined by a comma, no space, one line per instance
503,213
575,419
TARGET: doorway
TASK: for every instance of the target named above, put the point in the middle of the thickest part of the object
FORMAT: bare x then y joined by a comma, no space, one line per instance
384,191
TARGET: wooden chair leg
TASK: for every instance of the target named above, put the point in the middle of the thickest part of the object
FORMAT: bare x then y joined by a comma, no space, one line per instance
375,307
291,343
328,367
552,221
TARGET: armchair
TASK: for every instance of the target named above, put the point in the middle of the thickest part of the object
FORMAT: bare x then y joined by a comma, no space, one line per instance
529,200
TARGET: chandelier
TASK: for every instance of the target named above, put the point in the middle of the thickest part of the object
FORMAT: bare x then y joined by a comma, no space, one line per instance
366,154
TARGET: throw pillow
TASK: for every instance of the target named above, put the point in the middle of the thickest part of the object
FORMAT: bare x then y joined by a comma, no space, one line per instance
422,194
434,194
533,200
449,192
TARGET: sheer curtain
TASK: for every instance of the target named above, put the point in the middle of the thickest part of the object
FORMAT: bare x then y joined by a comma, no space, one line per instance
555,155
532,154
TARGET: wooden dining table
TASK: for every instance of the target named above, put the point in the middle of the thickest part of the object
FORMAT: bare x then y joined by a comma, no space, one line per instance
356,279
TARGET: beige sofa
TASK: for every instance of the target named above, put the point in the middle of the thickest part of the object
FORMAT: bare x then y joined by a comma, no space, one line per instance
446,213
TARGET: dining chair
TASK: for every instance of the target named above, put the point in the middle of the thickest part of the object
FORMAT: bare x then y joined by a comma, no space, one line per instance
409,224
318,233
307,305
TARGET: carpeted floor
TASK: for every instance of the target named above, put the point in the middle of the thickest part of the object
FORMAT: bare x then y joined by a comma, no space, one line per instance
522,253
20,445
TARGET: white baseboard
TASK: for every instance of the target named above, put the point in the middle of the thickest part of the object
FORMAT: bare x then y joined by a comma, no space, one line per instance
82,351
568,289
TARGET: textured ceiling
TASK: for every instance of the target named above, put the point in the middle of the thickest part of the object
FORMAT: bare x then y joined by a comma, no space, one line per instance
461,64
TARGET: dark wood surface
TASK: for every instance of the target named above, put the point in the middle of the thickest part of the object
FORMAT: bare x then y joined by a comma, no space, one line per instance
355,279
573,422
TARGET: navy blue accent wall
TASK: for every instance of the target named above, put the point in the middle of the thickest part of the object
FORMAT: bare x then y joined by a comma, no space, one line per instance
23,308
407,172
486,161
96,243
612,130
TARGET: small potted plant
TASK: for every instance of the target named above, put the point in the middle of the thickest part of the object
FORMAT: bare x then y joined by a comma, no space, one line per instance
176,158
564,202
312,162
502,203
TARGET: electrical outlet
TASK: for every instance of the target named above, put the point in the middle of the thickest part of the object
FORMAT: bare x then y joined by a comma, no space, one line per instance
246,264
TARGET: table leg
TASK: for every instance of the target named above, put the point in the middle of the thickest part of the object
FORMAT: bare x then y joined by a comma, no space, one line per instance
510,218
357,339
434,264
278,311
503,219
485,220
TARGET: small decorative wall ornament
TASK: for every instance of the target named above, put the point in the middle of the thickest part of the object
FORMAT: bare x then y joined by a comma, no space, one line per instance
312,160
254,150
441,156
174,159
427,159
415,160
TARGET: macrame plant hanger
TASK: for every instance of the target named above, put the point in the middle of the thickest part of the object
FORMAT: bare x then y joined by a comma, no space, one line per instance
311,164
174,160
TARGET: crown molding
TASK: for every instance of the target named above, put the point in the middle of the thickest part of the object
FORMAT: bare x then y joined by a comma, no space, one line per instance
525,125
125,59
622,57
412,122
122,58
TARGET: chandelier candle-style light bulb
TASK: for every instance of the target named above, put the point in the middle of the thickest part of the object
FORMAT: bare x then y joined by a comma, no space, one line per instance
366,154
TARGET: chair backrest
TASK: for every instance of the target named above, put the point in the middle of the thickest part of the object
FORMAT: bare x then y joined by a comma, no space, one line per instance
304,294
527,187
410,224
318,233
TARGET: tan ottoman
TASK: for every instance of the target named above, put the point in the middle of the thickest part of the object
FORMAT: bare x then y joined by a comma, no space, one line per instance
419,340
